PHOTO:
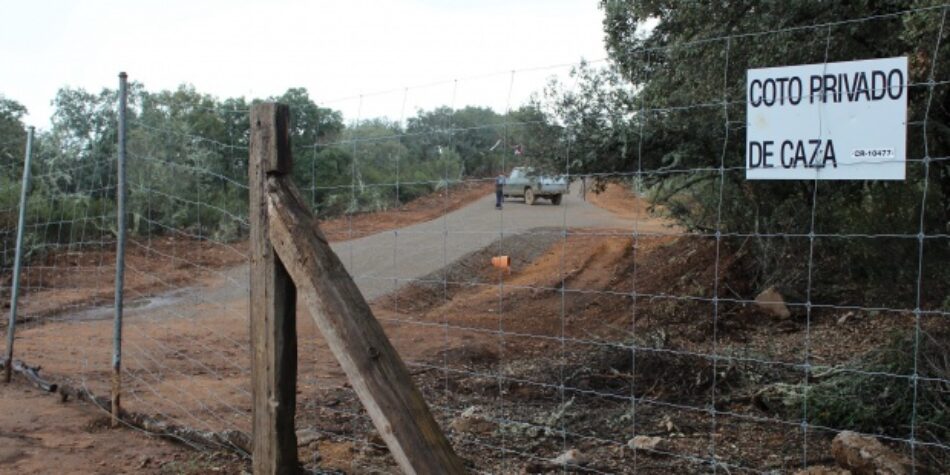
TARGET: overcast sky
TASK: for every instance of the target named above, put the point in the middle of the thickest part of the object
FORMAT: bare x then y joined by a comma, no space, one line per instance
338,50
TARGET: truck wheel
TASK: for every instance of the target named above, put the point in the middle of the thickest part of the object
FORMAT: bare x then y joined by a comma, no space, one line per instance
529,197
556,200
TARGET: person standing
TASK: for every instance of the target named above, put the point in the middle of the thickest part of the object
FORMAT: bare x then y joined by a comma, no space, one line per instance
500,181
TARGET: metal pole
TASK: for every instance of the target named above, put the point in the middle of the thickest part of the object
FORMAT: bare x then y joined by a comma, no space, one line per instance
18,260
119,253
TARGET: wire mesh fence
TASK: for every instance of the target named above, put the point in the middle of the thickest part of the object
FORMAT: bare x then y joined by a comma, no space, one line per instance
636,329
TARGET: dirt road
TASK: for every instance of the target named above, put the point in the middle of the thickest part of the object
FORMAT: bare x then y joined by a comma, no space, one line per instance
382,262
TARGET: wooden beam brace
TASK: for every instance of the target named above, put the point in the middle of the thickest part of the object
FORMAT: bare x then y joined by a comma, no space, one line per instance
355,337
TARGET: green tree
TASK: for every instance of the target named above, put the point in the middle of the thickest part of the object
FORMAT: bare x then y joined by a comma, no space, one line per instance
471,132
80,148
541,142
12,145
311,126
668,121
12,133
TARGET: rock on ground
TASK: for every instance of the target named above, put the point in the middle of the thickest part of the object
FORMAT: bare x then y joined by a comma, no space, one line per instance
645,442
864,455
571,457
823,470
772,302
470,422
307,436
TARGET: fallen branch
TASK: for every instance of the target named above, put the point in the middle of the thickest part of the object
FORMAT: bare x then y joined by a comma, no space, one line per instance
30,373
232,440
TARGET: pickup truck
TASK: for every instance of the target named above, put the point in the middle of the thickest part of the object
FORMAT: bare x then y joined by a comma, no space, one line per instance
525,182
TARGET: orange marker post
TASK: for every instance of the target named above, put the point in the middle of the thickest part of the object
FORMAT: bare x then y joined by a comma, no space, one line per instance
502,263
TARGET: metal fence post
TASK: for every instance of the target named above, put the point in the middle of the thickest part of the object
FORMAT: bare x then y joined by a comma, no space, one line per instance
18,260
119,253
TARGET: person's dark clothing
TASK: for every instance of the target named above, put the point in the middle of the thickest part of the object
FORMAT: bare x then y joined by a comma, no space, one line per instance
499,191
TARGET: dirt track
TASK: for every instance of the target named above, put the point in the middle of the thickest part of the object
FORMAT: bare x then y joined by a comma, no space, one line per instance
423,248
382,262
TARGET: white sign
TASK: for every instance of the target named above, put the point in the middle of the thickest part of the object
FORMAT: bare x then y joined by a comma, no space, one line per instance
833,121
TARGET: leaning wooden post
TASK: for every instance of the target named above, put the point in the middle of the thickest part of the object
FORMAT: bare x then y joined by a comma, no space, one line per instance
357,340
272,305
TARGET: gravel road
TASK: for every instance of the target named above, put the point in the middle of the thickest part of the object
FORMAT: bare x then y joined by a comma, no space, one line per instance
382,262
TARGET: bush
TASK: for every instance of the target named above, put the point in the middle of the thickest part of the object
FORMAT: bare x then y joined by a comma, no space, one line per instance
876,394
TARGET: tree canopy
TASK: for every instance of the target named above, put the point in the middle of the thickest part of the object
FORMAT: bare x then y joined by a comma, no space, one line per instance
669,109
188,158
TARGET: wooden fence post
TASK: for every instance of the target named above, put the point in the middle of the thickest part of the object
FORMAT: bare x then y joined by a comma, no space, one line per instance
272,305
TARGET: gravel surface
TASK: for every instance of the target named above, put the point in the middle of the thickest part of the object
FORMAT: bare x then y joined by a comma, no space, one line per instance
386,261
